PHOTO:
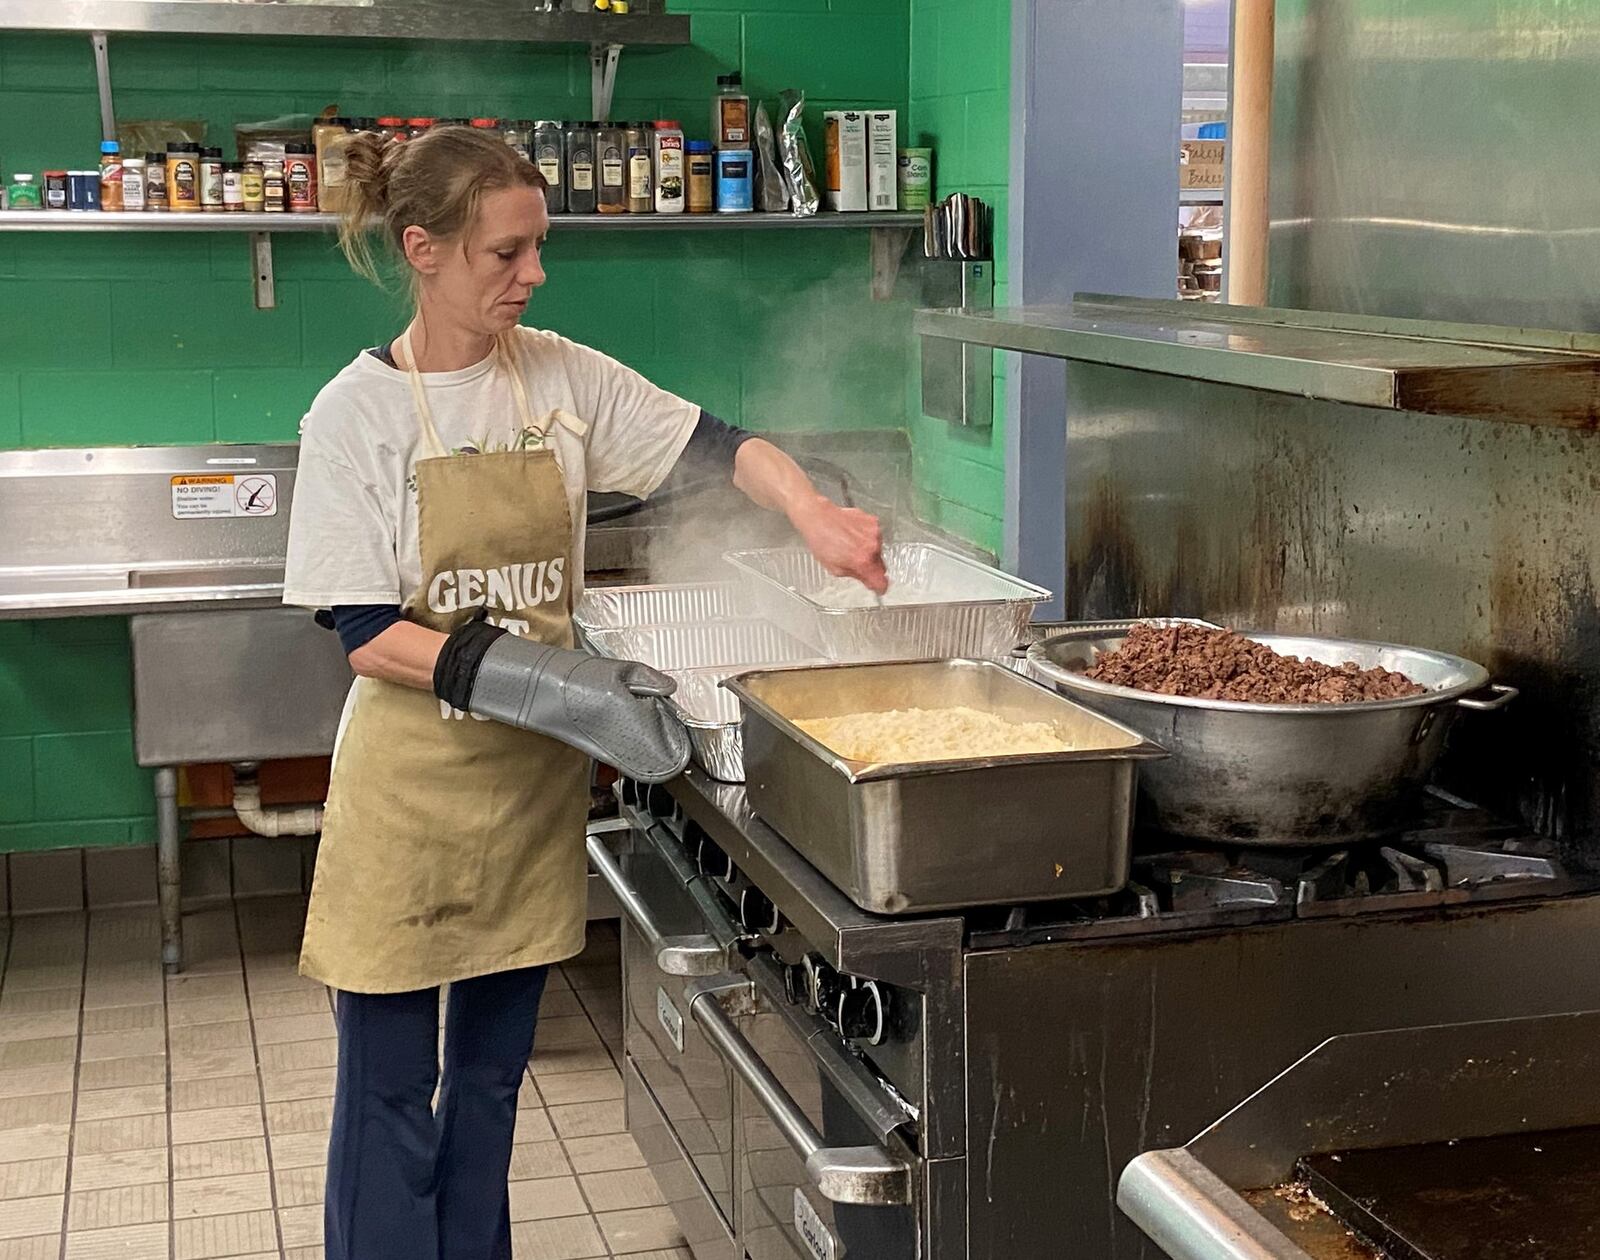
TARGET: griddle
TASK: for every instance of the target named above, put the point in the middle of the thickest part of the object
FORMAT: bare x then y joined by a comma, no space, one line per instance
1531,1196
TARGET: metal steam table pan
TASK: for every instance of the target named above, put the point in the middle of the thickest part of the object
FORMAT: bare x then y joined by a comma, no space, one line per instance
900,839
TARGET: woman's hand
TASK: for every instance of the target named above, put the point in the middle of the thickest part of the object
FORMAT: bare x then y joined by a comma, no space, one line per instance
847,542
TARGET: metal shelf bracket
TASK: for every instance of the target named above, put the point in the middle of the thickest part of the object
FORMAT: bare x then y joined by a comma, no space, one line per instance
261,270
603,60
889,245
102,78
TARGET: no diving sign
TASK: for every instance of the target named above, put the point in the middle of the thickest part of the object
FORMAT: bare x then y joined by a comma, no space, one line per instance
203,495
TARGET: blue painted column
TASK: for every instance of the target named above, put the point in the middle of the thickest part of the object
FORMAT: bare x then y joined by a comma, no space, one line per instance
1096,103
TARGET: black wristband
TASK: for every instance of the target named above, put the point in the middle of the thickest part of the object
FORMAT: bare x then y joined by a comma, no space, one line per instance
456,670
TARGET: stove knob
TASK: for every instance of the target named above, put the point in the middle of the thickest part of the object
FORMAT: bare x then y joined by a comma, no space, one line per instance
758,914
795,985
711,860
823,986
861,1012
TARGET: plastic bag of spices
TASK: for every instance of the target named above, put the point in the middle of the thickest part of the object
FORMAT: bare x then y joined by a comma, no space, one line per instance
798,171
771,195
259,141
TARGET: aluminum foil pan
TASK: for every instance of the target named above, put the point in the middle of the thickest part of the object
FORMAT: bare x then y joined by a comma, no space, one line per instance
612,607
699,657
945,606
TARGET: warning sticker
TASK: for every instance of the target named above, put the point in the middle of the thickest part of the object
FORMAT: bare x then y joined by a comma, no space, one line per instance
203,495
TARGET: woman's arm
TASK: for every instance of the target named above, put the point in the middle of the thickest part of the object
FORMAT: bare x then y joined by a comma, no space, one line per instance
847,542
405,653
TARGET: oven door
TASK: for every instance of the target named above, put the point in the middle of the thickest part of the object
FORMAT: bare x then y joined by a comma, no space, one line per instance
679,1092
824,1170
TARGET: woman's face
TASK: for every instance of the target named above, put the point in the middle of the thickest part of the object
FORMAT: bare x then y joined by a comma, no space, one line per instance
482,282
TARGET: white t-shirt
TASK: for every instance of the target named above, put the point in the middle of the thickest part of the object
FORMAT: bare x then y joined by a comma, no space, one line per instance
353,523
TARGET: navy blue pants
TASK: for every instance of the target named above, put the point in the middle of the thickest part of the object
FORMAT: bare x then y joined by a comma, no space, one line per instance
408,1180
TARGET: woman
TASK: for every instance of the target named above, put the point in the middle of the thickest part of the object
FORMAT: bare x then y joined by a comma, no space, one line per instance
438,513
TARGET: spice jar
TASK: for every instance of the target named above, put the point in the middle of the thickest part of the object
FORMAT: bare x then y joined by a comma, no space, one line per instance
611,157
702,180
155,181
211,180
183,177
24,193
133,170
668,146
110,175
486,124
582,197
730,113
300,177
327,138
519,135
233,187
735,182
273,188
549,155
417,126
641,170
252,187
392,128
55,190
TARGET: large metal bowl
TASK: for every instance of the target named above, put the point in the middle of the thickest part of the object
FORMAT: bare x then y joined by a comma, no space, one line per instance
1281,774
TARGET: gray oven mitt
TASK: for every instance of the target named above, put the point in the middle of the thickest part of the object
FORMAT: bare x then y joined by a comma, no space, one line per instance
611,710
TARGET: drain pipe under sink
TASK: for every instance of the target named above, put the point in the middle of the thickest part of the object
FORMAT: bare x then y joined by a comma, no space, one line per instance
301,820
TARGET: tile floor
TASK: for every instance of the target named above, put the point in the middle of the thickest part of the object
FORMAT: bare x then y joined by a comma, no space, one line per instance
144,1118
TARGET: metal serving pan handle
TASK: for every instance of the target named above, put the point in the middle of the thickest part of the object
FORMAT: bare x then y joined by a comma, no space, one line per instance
843,1174
675,955
1501,695
1192,1214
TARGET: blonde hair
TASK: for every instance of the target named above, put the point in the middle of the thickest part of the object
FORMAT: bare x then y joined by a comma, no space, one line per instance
435,182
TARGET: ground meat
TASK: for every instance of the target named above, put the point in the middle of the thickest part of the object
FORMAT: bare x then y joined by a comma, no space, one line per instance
1222,665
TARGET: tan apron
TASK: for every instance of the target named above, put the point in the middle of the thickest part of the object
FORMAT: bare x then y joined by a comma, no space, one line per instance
453,847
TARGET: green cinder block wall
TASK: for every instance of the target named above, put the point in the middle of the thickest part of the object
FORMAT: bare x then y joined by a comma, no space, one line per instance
154,339
961,106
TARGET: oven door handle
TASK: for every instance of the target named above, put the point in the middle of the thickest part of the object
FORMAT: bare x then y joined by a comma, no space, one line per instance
843,1174
675,955
1192,1214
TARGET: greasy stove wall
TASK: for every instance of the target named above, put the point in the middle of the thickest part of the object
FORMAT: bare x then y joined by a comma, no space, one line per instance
1429,160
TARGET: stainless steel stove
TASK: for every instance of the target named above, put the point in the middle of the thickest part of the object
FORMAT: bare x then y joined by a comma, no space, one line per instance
810,1080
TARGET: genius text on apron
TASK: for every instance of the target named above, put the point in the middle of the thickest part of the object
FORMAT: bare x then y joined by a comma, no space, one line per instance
453,847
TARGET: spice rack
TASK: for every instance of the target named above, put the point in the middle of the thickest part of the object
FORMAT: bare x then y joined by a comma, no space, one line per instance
891,232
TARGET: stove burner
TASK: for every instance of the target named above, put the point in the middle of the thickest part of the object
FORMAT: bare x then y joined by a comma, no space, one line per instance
1458,853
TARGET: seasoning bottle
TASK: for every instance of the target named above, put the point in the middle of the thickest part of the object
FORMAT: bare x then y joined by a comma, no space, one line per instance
641,171
549,156
668,146
581,195
24,193
183,177
110,175
55,190
155,181
211,180
519,135
417,126
252,187
702,182
133,169
735,182
300,177
328,137
233,187
392,128
485,124
273,187
730,113
611,154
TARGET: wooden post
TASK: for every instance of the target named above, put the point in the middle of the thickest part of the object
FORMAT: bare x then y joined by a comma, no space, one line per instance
1249,152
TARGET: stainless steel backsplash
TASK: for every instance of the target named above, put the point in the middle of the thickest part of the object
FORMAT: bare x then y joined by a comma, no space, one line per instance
1430,160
